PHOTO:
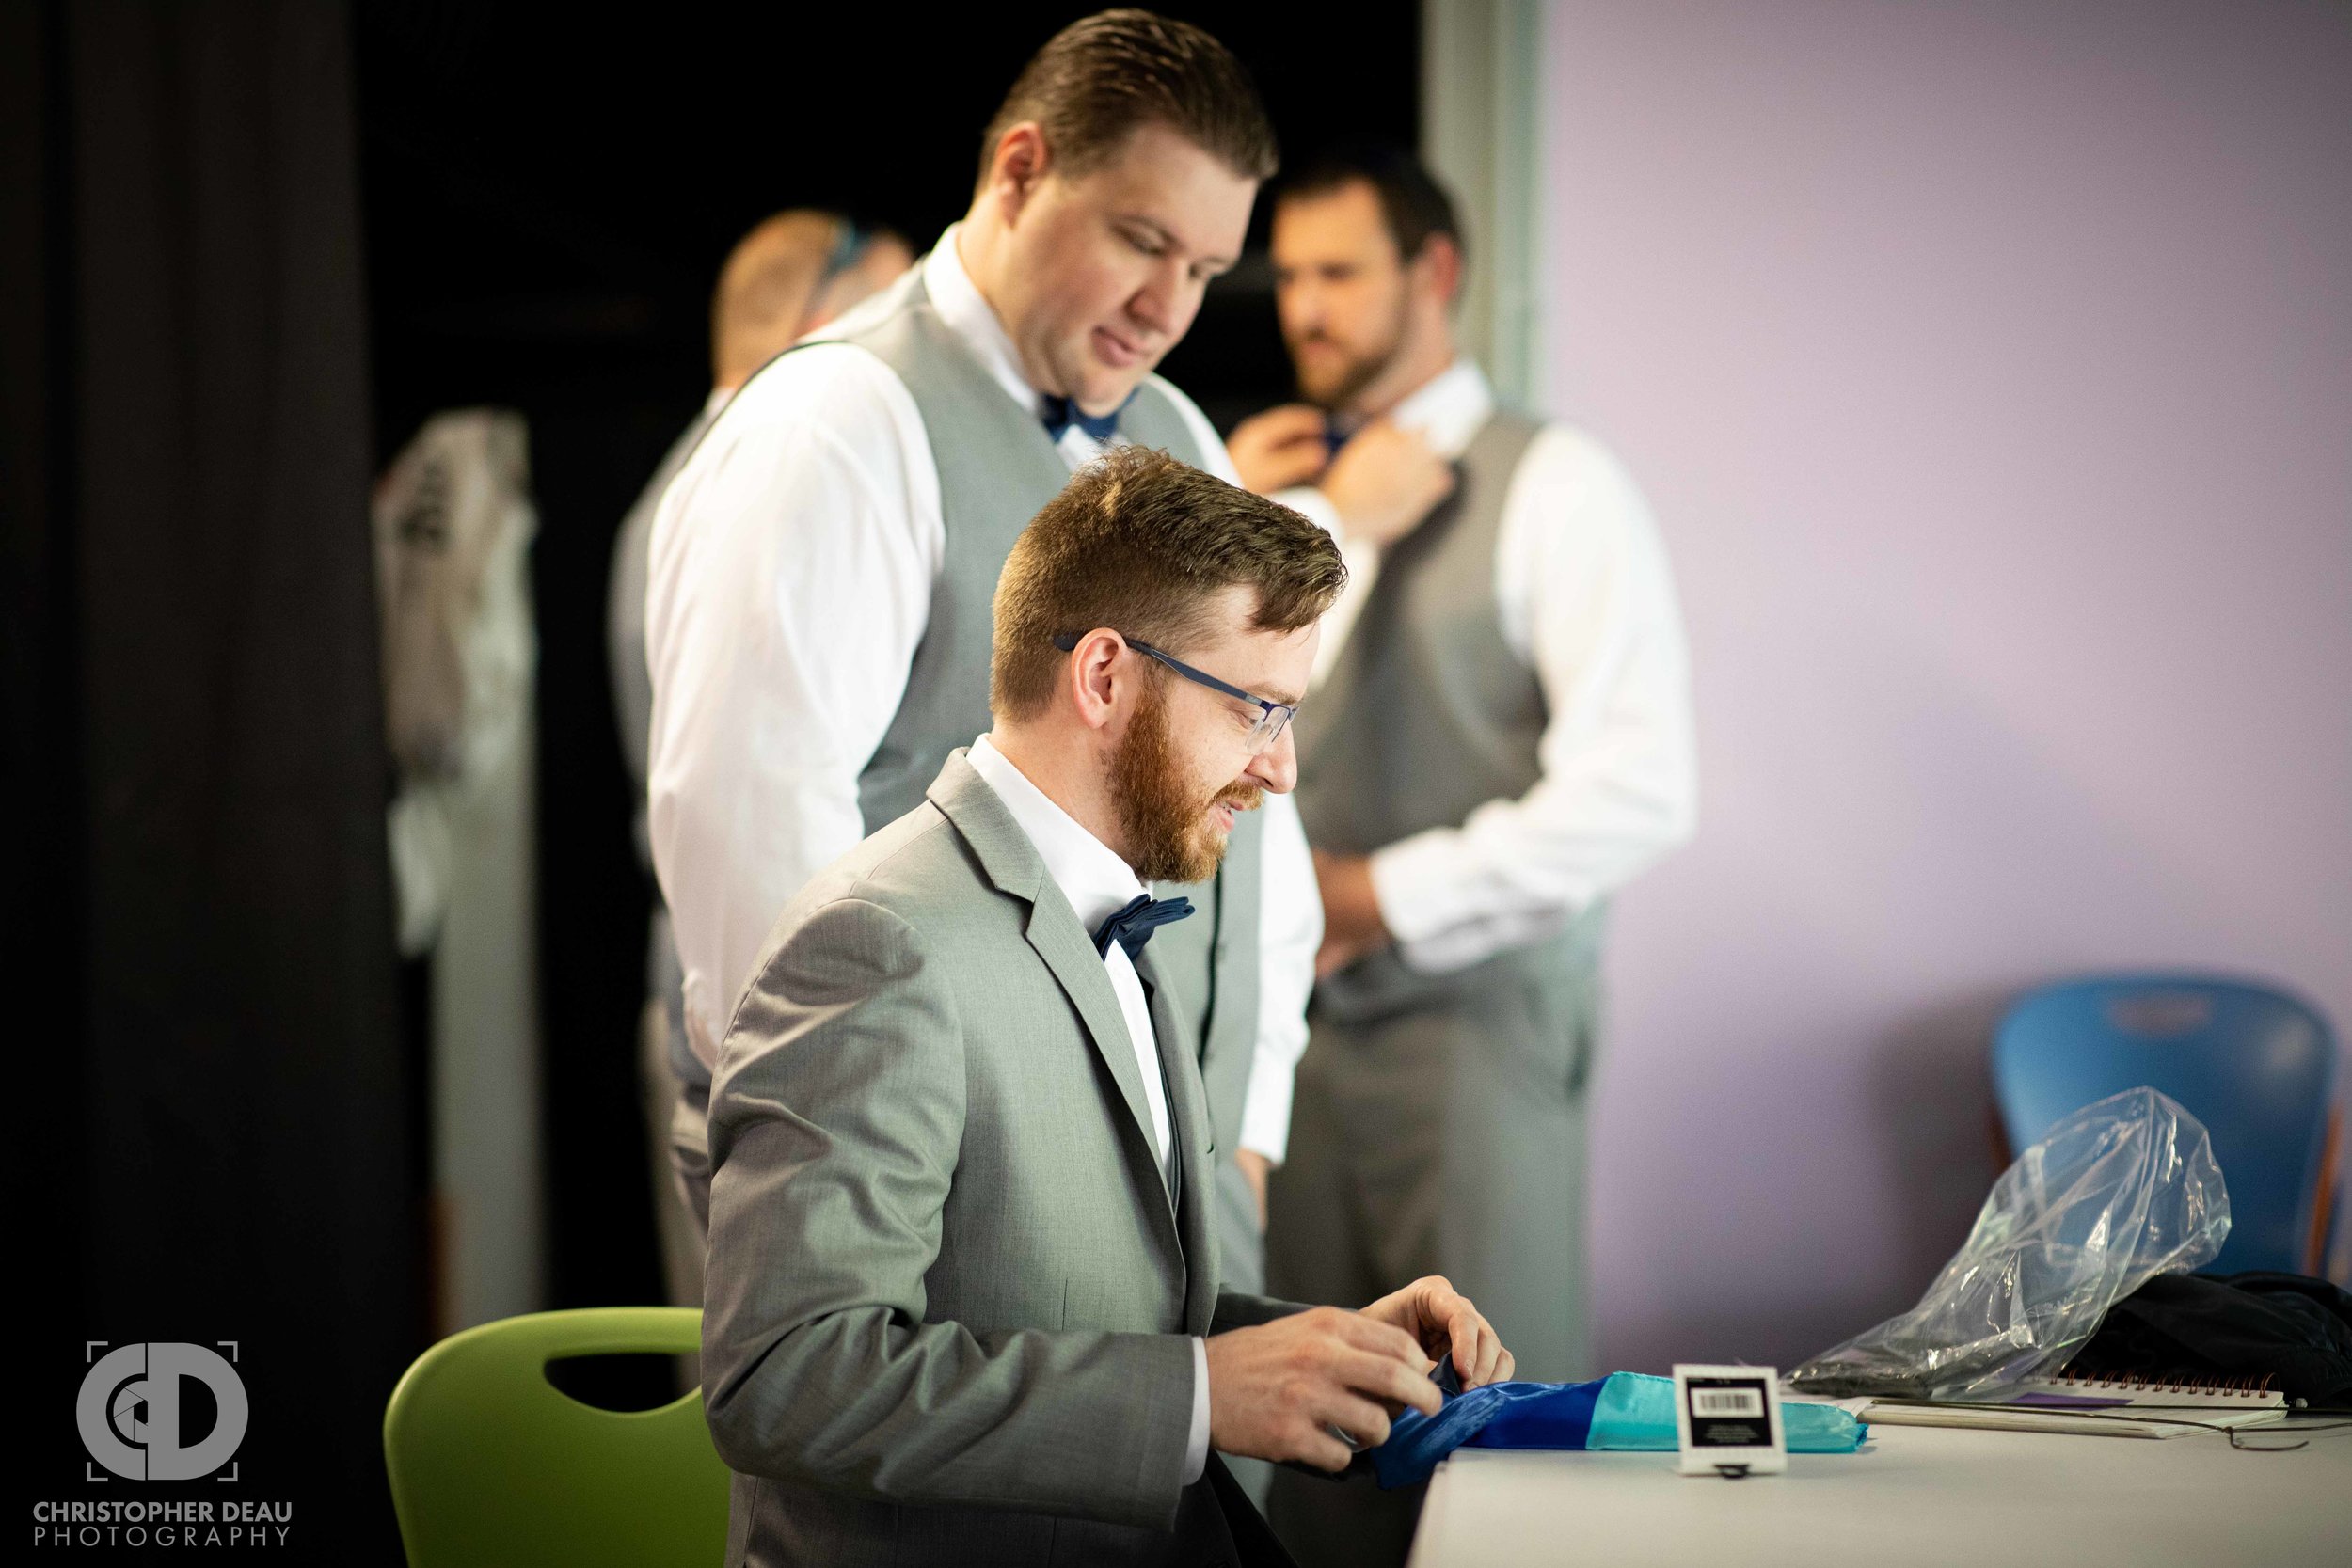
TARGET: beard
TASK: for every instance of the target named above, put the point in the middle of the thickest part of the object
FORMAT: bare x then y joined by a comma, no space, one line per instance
1171,832
1338,387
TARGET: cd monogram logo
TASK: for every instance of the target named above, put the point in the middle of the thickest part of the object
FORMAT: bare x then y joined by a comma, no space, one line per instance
130,1412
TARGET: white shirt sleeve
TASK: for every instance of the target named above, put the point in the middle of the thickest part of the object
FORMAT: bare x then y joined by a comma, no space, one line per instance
1362,561
1290,910
1197,1440
814,491
1587,598
1290,929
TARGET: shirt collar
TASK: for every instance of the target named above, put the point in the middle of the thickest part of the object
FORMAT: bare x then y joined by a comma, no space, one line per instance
1449,408
973,320
1090,875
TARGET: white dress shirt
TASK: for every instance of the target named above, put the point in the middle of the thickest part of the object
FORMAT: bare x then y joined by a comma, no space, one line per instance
1586,598
790,583
1099,884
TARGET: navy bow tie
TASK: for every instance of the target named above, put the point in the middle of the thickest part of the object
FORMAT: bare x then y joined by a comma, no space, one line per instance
1061,413
1334,434
1132,927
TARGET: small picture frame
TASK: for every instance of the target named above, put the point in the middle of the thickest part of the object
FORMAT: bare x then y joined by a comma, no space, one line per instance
1727,1421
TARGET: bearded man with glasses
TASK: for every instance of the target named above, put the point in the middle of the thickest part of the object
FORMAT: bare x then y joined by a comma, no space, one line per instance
964,1303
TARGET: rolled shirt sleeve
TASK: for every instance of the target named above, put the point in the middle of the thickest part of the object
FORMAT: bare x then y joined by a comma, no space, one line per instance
1290,929
1197,1441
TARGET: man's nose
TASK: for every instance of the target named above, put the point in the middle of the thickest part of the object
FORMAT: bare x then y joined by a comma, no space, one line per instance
1156,305
1300,306
1276,768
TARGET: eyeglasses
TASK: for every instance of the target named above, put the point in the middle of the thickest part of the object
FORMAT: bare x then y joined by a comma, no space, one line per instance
1272,716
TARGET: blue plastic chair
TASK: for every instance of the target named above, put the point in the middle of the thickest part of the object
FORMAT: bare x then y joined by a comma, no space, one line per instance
2255,1065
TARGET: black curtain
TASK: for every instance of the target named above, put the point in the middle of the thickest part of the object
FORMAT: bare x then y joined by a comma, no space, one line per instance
223,1119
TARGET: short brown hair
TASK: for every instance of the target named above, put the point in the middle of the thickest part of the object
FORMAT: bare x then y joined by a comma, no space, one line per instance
1140,543
1100,78
1413,205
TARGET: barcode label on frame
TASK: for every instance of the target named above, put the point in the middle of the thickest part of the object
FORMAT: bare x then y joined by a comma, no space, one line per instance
1727,1421
1727,1402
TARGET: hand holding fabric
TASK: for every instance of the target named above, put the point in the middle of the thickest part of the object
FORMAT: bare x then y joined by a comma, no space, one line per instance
1283,1390
1444,1320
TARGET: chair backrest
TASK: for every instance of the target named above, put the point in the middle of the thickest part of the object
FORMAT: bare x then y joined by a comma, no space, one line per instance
2255,1065
491,1463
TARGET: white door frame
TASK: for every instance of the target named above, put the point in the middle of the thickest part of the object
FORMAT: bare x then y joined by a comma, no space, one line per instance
1481,135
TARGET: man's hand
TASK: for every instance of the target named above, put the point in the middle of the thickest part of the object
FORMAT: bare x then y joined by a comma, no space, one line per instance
1441,1319
1384,481
1352,926
1255,1168
1276,1388
1278,449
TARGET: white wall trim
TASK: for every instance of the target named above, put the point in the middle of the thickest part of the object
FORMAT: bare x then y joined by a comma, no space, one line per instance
1481,135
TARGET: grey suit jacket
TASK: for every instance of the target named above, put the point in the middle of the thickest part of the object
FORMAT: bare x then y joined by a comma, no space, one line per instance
948,1289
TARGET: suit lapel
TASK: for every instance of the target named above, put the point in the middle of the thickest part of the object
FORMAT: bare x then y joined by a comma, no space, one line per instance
1013,866
1054,931
1188,1125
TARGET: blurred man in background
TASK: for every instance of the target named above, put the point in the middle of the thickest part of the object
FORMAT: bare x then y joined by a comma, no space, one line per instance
792,275
1499,737
823,566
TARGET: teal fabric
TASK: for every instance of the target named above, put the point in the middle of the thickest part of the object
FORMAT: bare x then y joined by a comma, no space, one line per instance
1636,1412
1624,1411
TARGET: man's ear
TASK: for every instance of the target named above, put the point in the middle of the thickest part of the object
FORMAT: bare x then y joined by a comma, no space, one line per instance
1439,267
1091,678
1021,161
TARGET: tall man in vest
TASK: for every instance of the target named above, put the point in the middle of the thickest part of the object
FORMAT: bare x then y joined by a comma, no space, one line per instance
1500,737
817,619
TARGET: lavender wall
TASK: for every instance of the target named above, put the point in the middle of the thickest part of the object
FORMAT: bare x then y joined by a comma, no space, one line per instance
1990,369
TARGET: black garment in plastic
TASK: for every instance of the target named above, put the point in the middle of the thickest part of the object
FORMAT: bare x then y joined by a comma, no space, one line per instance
2293,1329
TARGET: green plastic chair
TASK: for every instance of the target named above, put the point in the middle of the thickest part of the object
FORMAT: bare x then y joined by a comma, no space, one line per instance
492,1464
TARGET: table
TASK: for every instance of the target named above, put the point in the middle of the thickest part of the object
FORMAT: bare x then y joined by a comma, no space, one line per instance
1914,1495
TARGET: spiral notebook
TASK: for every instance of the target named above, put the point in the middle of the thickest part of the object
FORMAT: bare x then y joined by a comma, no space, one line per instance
2098,1407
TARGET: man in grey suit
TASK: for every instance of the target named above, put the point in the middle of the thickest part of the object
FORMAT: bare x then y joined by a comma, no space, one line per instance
963,1301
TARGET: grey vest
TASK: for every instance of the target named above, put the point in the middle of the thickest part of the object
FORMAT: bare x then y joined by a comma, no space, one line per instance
996,469
1427,715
